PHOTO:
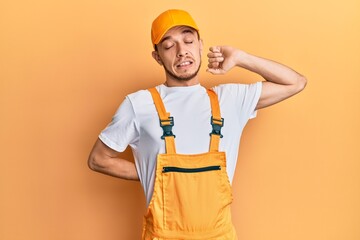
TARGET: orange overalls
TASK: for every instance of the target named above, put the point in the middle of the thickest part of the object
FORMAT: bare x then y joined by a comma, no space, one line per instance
192,193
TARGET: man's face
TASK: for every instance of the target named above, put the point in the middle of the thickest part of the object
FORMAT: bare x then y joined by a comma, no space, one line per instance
179,52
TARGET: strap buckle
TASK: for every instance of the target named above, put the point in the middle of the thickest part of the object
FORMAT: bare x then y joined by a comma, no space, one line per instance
167,127
216,124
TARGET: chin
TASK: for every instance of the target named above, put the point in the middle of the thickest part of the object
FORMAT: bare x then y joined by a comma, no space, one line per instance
187,77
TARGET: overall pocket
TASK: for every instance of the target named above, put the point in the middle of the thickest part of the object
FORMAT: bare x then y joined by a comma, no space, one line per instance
195,198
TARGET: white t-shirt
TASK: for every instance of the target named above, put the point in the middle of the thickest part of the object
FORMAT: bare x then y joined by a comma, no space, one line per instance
136,123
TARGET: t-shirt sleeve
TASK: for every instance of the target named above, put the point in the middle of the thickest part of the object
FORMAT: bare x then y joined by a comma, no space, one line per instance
252,94
123,130
244,97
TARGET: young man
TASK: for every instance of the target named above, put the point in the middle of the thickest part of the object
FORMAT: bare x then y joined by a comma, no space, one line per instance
187,178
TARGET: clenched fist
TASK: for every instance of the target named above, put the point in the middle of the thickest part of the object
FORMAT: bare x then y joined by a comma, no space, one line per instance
222,59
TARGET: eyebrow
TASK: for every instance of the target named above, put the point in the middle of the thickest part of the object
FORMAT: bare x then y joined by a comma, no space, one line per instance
183,32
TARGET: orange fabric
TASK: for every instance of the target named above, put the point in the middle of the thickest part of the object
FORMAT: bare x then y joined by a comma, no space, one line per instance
215,110
160,108
190,205
214,143
215,107
169,19
164,116
170,145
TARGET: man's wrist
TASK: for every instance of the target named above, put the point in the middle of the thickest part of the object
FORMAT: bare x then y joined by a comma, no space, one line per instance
241,58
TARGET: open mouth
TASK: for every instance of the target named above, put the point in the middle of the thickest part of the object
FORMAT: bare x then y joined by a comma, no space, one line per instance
184,64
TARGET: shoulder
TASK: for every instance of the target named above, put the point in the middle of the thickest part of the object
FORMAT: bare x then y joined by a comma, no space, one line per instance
237,89
241,98
138,96
141,101
231,87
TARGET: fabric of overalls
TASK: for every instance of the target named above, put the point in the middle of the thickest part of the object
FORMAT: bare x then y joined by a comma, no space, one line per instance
192,193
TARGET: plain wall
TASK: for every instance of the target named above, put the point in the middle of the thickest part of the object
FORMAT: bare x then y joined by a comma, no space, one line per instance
65,66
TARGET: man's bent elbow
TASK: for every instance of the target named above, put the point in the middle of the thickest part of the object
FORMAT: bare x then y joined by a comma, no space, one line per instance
93,163
298,85
301,83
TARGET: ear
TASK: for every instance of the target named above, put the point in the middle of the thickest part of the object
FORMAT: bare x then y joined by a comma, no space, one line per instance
201,44
156,56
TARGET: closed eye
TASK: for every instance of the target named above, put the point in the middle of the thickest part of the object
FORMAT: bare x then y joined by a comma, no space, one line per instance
168,47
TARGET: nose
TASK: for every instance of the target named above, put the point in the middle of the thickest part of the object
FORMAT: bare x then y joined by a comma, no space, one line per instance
181,51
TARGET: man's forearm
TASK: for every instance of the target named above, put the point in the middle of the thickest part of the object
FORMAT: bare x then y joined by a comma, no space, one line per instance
115,167
270,70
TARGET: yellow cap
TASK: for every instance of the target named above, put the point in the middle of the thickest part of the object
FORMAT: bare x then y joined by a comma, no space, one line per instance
169,19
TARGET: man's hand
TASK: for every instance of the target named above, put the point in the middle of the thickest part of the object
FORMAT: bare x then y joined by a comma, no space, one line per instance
222,59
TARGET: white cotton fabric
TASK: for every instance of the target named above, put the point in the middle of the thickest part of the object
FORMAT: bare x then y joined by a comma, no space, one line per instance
136,123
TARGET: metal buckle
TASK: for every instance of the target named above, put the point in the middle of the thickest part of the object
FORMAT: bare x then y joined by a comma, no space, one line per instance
167,127
216,124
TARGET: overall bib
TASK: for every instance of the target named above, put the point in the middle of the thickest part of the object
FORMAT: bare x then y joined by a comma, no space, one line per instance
192,193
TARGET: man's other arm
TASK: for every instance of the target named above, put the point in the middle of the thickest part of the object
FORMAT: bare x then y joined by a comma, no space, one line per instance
105,160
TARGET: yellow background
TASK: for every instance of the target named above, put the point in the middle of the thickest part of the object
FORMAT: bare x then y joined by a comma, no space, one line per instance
65,66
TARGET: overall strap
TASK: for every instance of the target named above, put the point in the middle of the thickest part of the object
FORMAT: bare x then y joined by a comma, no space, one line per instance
166,121
217,122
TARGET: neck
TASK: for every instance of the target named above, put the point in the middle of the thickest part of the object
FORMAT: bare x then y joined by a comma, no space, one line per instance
181,83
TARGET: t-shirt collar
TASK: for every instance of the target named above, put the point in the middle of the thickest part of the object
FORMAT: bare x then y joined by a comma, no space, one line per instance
181,88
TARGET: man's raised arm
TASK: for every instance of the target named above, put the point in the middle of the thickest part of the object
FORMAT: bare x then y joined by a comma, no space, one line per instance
281,81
